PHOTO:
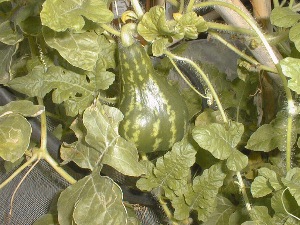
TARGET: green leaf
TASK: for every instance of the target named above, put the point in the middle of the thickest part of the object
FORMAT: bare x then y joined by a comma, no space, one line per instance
154,25
102,144
79,49
237,161
219,139
60,15
71,88
271,136
159,46
222,213
106,54
191,25
6,54
171,171
92,200
295,35
104,79
24,107
260,215
271,176
48,219
292,181
203,198
182,209
290,68
260,187
284,17
8,35
14,136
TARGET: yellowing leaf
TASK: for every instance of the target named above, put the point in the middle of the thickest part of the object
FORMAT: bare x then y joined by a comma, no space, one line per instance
60,15
290,68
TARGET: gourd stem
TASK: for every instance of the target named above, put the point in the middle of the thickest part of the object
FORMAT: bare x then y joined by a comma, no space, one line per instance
242,54
181,6
291,3
110,29
276,3
205,78
189,7
43,145
137,8
173,2
229,28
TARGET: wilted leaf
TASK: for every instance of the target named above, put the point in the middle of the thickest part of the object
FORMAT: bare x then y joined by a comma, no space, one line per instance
6,54
60,15
292,181
79,49
290,68
14,136
236,161
171,170
295,35
203,198
71,88
271,136
8,35
219,139
92,200
24,107
284,17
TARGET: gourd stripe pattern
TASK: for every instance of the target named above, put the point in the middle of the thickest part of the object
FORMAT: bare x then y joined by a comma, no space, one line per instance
155,114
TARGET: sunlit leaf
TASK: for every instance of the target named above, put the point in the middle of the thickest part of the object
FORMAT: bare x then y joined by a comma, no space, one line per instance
60,15
284,17
79,49
203,199
6,54
295,35
171,171
219,139
292,181
71,88
15,133
159,46
271,136
24,107
92,200
290,68
260,215
272,178
236,161
104,79
260,187
8,35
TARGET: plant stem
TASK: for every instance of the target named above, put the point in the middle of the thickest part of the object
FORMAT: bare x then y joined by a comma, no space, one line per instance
189,7
276,3
242,54
225,27
243,190
58,169
291,3
19,170
181,6
43,145
166,210
110,29
137,8
206,80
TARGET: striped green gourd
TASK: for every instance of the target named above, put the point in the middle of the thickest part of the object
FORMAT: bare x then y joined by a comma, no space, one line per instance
155,114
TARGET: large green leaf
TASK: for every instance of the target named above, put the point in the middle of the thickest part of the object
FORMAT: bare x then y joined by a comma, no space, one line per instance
260,187
24,107
236,161
60,15
79,49
101,144
284,17
295,35
271,136
8,35
15,133
6,54
219,139
203,198
290,68
261,216
69,87
171,171
92,200
292,181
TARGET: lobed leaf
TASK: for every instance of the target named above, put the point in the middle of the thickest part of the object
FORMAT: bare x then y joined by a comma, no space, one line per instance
171,171
218,139
92,200
71,88
292,181
8,35
284,17
290,68
60,15
260,187
15,133
23,107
